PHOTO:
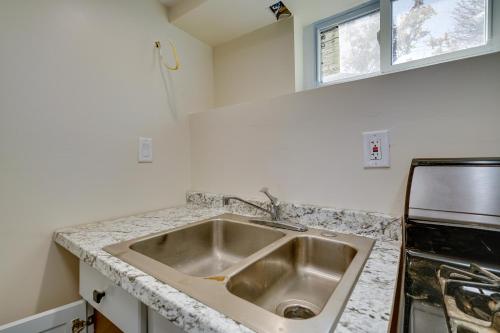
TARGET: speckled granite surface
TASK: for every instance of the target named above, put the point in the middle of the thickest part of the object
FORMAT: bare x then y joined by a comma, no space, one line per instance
368,309
374,225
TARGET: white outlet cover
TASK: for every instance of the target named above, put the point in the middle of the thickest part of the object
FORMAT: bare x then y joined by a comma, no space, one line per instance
145,150
376,149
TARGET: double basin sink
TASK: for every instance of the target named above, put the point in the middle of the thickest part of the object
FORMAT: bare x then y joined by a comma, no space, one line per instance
268,279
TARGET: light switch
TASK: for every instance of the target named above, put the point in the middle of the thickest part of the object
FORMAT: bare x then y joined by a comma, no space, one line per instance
376,149
145,150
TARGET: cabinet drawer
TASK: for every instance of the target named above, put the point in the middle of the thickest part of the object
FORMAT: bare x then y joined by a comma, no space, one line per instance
124,310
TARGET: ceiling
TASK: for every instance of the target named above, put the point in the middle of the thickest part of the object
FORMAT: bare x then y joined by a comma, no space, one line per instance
169,3
218,21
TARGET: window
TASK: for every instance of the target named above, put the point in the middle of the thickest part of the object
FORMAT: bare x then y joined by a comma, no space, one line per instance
348,46
426,28
391,35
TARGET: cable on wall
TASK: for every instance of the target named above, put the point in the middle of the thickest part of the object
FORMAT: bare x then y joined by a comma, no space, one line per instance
157,44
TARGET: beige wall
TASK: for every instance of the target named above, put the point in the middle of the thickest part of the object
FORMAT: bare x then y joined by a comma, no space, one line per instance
307,147
79,82
256,66
311,11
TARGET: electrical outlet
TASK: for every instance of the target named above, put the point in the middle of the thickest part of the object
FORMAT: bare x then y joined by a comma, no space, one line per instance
145,150
376,148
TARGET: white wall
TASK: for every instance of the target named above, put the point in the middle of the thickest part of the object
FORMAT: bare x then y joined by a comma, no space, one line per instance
255,66
79,82
307,147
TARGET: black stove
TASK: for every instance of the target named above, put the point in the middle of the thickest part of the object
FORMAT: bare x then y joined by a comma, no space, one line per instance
471,299
452,247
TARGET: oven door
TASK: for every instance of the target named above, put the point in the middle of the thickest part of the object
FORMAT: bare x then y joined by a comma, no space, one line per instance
424,311
427,247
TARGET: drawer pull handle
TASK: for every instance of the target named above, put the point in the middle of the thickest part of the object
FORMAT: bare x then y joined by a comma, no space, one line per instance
97,296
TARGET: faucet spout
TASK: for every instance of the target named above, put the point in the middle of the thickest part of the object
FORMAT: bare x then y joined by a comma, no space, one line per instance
274,211
225,202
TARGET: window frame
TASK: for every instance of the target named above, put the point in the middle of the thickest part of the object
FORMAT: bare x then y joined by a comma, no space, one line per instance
364,9
385,40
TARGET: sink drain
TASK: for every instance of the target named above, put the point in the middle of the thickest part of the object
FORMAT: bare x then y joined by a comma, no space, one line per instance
297,309
298,312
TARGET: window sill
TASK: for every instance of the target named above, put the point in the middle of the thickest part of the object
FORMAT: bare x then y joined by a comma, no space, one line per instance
459,55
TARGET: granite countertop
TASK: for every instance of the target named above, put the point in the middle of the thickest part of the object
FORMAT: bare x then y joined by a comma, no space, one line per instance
369,306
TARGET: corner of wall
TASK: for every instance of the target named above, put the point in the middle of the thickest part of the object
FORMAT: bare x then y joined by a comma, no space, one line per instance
298,47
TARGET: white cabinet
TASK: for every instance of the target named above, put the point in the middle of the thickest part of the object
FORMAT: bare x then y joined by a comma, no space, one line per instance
158,324
58,320
121,308
124,310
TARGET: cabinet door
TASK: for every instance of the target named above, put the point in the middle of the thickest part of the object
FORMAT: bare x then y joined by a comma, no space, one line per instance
59,320
121,308
159,324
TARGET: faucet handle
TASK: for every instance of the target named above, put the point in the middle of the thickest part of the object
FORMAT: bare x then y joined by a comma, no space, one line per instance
273,199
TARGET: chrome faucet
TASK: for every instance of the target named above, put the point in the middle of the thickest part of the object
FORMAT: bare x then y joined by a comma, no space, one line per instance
275,204
274,212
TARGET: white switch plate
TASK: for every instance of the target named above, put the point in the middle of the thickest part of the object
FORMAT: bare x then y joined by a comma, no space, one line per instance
145,150
376,149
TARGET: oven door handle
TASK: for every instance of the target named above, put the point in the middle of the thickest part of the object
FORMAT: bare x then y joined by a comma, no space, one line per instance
418,298
447,260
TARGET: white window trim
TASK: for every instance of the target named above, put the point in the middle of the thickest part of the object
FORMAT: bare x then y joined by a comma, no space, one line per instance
385,40
356,12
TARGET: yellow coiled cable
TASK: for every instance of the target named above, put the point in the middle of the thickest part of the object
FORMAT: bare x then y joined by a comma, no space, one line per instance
174,52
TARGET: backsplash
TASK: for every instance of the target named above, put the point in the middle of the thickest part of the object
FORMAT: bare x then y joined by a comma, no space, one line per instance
376,225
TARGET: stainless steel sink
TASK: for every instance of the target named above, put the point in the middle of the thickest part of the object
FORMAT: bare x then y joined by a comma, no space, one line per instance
295,280
268,279
208,248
